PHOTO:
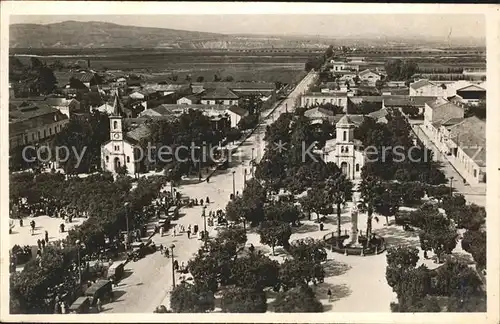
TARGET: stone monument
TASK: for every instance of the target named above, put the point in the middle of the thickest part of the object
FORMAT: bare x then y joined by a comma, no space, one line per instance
354,224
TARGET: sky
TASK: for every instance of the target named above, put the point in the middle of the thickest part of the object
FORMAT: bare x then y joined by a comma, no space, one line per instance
388,25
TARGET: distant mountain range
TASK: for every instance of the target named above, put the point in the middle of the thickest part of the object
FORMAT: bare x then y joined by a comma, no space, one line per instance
93,34
74,34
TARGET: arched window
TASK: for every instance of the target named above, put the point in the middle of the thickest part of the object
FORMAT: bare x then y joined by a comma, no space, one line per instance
345,136
115,125
341,149
107,158
128,159
347,149
357,167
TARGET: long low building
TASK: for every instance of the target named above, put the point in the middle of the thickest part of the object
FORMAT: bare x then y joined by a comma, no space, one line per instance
313,99
34,122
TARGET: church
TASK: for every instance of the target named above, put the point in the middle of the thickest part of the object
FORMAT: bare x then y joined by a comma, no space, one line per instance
118,152
345,151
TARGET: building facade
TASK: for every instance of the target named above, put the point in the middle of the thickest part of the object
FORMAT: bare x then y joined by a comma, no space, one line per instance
118,152
313,99
347,153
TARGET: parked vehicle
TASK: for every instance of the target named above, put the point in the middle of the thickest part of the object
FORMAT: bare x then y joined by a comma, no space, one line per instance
80,306
115,271
101,289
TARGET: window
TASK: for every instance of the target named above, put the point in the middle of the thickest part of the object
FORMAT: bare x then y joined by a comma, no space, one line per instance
357,167
117,147
341,149
107,158
32,136
345,136
39,135
50,130
347,149
115,125
44,133
128,159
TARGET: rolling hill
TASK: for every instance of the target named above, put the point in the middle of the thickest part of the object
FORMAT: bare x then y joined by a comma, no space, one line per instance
74,34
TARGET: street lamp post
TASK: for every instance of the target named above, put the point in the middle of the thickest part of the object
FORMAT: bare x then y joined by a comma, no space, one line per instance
204,214
79,263
234,192
253,149
244,178
173,269
451,186
126,221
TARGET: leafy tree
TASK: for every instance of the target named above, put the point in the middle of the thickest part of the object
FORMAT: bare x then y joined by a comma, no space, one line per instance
413,285
297,300
281,211
245,208
299,273
470,217
229,78
237,235
217,78
188,298
316,201
275,233
339,191
254,271
474,242
309,250
456,279
470,304
437,233
248,122
399,70
240,300
453,202
438,192
389,200
200,79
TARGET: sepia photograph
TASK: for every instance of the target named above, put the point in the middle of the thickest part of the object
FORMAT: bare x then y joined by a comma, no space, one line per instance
245,162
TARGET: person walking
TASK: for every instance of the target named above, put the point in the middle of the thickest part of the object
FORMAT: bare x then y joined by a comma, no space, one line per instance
39,243
21,222
43,244
63,308
189,233
195,229
329,293
161,231
99,305
207,200
46,237
174,232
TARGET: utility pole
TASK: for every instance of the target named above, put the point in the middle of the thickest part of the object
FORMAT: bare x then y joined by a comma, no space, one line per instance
205,234
234,190
173,268
126,221
244,178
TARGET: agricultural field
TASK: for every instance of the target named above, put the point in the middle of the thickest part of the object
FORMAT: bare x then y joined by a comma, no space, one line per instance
156,65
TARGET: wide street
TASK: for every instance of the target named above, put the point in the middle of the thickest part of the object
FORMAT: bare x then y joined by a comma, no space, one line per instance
473,194
148,281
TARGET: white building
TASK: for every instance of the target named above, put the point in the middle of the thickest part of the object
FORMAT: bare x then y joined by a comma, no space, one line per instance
347,152
314,99
117,152
236,114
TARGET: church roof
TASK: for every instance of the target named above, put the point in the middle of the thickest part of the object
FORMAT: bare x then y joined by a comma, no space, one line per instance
117,106
345,121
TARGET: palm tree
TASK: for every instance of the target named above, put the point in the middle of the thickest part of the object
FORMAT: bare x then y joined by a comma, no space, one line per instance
370,191
339,190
